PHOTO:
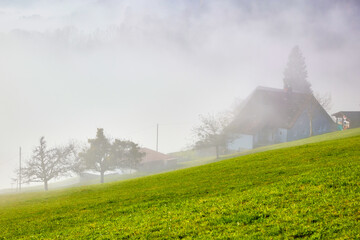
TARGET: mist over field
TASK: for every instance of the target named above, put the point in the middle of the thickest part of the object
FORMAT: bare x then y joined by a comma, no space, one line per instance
69,67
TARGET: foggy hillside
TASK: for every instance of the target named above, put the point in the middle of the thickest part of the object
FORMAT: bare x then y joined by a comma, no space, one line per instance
69,67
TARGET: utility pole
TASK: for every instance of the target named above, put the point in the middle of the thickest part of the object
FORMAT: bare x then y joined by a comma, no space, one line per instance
19,169
157,137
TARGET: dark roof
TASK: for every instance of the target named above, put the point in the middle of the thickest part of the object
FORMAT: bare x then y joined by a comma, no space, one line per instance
270,107
352,116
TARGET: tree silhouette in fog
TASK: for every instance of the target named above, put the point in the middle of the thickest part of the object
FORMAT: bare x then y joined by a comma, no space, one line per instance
104,155
296,79
295,74
210,132
46,163
98,156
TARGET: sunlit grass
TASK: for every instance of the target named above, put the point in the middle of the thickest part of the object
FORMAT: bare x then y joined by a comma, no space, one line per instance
306,191
314,139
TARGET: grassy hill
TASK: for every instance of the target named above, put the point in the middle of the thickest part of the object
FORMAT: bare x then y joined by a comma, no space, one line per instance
305,191
196,161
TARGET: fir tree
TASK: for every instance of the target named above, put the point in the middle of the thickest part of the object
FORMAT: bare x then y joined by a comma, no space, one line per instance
98,157
295,74
104,155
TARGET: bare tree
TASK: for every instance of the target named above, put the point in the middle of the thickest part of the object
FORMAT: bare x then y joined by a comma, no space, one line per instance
16,179
236,107
75,159
314,100
210,132
46,164
324,100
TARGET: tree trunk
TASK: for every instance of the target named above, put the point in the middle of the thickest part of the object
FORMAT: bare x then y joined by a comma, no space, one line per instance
311,113
310,122
46,185
102,177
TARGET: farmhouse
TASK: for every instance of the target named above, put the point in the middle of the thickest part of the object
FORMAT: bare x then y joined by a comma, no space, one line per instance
271,115
347,119
153,160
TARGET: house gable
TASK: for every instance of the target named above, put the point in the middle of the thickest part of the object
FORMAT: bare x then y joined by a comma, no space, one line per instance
275,115
268,107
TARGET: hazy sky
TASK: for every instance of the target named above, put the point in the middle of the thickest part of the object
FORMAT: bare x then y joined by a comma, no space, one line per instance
68,67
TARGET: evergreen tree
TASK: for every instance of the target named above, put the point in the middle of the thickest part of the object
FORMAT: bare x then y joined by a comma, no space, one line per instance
295,78
98,157
134,156
104,155
295,74
128,153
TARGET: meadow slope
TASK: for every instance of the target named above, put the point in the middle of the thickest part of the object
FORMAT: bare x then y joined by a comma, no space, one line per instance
306,191
196,161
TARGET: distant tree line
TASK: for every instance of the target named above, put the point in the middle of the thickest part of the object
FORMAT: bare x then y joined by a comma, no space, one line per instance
101,155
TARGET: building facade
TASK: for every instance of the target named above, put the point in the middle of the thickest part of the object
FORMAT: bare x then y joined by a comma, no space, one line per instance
269,116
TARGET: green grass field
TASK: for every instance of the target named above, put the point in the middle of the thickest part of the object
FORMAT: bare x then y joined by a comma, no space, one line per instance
303,191
320,138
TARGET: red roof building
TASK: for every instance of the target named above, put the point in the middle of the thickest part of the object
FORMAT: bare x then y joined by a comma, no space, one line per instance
154,160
